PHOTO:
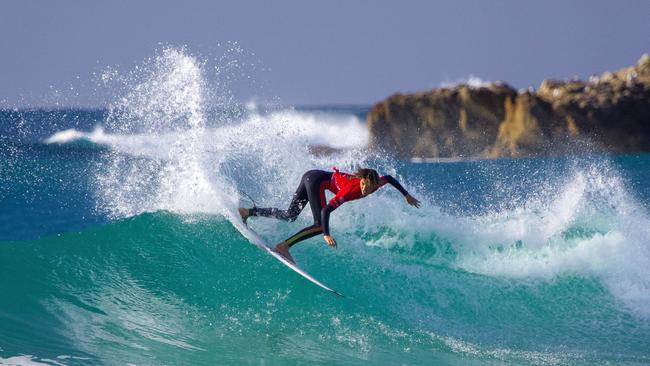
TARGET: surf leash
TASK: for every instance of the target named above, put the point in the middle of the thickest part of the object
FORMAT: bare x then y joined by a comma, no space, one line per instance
250,198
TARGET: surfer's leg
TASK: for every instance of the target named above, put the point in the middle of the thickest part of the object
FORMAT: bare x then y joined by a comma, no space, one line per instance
304,234
315,187
312,180
316,194
298,202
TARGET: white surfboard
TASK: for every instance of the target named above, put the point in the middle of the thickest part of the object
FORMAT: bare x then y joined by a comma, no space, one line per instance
254,238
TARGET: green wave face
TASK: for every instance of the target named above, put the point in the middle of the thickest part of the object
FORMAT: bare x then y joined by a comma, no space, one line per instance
160,288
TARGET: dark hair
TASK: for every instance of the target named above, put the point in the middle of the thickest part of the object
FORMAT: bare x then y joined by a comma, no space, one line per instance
370,174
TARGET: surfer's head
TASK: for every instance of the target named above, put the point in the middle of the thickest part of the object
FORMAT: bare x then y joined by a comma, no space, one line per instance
369,180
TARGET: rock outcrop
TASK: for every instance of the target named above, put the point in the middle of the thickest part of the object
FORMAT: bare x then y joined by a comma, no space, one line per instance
610,112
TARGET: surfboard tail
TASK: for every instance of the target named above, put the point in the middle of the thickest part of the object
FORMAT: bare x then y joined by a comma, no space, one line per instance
254,238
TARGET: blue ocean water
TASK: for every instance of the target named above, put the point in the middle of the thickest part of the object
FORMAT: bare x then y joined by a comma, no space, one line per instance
117,244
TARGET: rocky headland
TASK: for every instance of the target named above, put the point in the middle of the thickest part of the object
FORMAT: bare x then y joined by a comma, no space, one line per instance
610,112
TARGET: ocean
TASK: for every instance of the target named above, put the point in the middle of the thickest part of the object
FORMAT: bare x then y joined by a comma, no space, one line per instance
117,243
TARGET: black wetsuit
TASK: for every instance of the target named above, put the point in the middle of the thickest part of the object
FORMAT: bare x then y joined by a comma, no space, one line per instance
311,189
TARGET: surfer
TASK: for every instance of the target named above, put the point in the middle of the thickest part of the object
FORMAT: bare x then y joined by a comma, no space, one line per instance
346,187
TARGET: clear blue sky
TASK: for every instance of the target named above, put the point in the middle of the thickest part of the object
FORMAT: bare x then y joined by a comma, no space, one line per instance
317,52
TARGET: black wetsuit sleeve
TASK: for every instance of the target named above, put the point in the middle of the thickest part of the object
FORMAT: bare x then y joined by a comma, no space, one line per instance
393,182
325,218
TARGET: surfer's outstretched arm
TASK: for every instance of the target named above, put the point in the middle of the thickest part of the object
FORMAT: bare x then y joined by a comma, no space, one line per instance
393,182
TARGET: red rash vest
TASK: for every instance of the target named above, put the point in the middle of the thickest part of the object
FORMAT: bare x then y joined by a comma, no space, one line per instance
346,188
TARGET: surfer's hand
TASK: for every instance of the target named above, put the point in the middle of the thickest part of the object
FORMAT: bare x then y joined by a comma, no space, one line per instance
330,241
412,201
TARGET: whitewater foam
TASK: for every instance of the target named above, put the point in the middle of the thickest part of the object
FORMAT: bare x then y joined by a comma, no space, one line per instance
195,162
590,228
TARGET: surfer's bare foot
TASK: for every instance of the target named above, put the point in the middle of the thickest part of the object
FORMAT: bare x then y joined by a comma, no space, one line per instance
283,250
244,213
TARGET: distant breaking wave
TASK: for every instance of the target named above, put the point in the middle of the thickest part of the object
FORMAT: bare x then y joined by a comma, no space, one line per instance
321,128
